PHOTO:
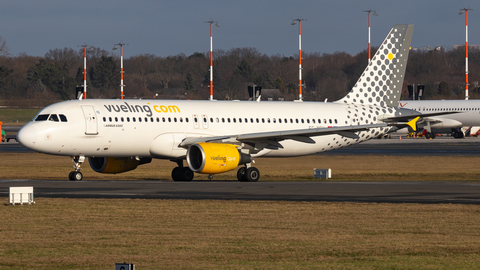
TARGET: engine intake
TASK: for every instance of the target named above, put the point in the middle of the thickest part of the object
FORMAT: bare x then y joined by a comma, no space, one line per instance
115,164
212,158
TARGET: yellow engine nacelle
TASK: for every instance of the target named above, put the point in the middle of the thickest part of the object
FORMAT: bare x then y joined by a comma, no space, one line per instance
115,165
212,158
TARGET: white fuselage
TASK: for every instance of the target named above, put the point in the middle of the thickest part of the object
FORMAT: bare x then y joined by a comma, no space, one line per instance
155,128
469,112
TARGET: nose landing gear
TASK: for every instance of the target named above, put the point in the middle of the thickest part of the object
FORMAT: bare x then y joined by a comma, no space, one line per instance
76,175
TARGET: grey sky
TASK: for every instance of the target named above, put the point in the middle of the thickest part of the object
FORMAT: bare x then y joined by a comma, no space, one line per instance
167,28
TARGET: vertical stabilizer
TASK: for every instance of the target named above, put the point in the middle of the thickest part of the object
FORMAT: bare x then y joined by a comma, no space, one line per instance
381,82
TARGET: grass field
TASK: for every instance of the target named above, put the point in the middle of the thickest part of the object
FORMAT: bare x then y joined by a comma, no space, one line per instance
17,116
344,168
183,234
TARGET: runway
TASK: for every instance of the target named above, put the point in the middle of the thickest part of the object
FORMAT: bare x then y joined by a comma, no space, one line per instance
363,192
372,192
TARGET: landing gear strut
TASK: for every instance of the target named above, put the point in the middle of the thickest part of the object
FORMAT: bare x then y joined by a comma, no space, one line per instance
181,173
76,175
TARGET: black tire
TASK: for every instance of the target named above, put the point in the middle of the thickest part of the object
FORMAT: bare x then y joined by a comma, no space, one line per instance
241,174
77,176
430,135
252,174
458,135
186,174
176,174
70,176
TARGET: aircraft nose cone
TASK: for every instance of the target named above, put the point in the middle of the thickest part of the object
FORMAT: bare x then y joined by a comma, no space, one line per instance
27,136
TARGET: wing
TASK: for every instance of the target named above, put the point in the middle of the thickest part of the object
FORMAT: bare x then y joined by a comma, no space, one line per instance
272,139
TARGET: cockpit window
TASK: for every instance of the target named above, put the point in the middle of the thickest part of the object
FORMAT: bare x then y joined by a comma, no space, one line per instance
63,118
53,117
42,117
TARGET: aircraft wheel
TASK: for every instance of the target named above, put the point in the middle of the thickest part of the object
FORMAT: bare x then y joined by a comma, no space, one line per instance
458,135
70,176
76,176
430,135
176,174
241,174
186,174
252,175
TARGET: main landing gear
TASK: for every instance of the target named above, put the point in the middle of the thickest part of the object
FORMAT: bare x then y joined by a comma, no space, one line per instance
181,173
457,133
248,174
76,175
430,135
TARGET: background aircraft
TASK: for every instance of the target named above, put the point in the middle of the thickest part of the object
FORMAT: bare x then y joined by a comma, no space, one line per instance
459,115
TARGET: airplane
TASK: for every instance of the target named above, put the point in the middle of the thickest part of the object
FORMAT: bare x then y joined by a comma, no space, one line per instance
218,136
457,114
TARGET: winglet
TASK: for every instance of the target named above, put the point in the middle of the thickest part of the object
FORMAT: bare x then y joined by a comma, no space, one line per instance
413,123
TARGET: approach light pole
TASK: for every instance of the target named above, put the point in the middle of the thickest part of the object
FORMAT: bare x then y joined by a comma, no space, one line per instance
466,49
121,66
299,56
84,70
211,56
374,14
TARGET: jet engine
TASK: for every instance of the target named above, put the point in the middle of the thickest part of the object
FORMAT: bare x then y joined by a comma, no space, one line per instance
116,165
212,158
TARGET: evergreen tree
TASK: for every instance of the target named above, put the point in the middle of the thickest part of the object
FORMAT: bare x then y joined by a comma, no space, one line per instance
188,83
